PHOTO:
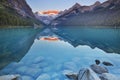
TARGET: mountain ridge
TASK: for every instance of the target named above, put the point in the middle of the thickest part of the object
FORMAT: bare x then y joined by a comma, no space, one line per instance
98,14
16,13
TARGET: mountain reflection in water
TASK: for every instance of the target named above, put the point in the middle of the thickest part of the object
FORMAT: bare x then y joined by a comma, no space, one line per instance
106,39
14,44
56,51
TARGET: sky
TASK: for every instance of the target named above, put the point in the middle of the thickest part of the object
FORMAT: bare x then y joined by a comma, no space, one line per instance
43,5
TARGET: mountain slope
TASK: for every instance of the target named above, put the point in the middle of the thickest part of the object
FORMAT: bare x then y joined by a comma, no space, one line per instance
16,12
98,14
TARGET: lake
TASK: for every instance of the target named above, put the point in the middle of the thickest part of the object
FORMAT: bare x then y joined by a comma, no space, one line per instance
50,53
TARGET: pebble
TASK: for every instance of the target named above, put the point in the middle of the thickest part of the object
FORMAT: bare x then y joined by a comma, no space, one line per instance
27,78
98,69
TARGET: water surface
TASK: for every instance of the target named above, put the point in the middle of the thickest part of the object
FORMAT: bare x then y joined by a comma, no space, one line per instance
57,51
14,44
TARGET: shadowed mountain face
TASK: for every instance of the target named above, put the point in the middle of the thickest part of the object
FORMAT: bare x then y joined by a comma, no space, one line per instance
105,39
20,6
98,14
14,44
16,13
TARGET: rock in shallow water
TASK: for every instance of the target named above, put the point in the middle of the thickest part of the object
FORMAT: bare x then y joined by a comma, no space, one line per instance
84,74
22,69
70,66
107,63
34,72
87,74
38,60
98,69
72,76
10,77
108,76
64,72
97,62
25,70
44,77
55,75
27,78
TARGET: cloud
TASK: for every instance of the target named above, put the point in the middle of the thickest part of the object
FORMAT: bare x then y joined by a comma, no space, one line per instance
50,12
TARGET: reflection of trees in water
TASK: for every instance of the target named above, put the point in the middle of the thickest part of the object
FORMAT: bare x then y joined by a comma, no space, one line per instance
14,44
118,33
107,39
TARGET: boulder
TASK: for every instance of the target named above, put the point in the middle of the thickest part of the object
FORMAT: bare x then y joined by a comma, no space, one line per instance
87,74
97,62
107,63
73,76
98,69
10,77
108,76
84,74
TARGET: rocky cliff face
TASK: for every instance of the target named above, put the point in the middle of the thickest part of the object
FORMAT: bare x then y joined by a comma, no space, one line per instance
98,14
16,13
21,7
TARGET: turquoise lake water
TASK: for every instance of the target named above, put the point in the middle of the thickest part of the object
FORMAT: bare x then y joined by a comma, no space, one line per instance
51,53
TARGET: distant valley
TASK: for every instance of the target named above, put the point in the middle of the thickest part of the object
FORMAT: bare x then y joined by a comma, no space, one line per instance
46,16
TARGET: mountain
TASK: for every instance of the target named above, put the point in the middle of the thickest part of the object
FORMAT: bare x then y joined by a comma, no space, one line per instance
16,12
46,16
98,14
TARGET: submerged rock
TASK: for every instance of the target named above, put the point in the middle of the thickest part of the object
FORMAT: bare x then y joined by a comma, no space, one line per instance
97,62
33,72
73,76
108,76
27,78
25,70
107,63
98,69
22,69
64,72
38,60
10,77
44,77
55,75
70,66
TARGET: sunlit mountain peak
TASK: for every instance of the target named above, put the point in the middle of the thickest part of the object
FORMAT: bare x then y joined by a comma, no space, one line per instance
49,12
